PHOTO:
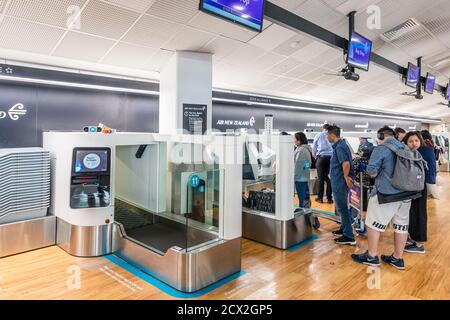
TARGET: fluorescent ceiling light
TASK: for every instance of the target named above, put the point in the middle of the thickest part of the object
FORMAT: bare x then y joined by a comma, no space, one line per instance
79,85
325,111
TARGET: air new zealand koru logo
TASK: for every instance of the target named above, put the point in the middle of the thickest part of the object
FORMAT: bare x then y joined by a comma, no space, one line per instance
15,112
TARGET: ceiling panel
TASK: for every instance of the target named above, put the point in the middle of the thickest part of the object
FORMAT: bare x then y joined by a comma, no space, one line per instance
221,47
26,36
284,67
129,56
293,44
222,27
189,39
159,60
151,31
272,37
174,10
106,20
135,5
52,12
74,46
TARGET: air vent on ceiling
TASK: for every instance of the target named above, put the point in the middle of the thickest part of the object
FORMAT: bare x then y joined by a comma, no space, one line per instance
401,30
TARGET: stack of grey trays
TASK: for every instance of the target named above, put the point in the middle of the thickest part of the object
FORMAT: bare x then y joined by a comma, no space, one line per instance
24,184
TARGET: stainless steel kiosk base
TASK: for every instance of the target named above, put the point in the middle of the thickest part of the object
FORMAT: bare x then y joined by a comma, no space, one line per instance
81,241
22,236
276,233
186,271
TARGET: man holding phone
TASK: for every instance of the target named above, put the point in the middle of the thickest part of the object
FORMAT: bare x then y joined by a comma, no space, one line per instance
342,176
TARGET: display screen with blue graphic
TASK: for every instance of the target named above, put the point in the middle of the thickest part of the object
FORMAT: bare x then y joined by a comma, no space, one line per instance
359,52
447,93
249,13
413,76
194,181
429,83
91,161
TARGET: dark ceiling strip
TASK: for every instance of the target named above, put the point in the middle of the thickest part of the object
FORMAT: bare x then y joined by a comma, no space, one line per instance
296,23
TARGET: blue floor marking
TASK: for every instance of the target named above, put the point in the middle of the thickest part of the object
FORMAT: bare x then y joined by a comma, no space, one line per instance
325,212
303,244
166,288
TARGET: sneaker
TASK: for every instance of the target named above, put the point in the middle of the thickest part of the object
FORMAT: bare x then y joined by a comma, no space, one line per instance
330,201
396,263
338,233
414,248
319,200
345,241
366,259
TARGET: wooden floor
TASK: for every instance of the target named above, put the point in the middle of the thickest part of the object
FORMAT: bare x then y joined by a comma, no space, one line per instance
320,270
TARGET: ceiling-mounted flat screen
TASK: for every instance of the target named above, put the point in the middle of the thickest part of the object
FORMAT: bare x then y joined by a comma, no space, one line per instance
447,93
429,83
359,52
249,13
413,75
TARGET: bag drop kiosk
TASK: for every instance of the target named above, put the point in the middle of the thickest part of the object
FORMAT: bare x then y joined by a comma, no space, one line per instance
269,215
165,204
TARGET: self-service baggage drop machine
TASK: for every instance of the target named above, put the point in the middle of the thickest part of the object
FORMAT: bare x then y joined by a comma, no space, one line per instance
165,204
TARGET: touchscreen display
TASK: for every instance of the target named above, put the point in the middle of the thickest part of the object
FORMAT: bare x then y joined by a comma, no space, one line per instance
91,161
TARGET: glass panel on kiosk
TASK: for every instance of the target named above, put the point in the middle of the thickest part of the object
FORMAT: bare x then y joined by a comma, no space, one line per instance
259,178
195,188
90,180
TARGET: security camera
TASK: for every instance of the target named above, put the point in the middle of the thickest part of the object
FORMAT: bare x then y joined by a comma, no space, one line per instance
351,76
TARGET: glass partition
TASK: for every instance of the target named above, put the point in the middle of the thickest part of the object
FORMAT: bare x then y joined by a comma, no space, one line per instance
259,178
167,199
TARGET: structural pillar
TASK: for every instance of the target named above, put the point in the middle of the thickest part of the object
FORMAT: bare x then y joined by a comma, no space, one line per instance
186,94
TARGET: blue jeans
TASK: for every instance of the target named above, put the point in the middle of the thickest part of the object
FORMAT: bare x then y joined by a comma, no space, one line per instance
341,201
302,189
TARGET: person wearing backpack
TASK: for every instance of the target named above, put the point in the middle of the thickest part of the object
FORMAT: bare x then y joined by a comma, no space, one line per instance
399,177
418,217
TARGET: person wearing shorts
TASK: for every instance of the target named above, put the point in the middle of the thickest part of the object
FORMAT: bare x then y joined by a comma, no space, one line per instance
386,206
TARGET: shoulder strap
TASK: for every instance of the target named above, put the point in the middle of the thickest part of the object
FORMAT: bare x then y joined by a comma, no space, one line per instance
390,147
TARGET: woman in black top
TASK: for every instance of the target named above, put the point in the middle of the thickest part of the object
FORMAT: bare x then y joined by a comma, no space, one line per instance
418,215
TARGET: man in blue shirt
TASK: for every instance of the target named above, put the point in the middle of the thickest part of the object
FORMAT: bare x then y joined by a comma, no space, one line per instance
323,151
342,176
386,204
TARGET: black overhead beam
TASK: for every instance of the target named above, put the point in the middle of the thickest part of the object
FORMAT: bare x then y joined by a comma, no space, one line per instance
296,23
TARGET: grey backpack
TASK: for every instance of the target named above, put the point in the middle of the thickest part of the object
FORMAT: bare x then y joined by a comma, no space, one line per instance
409,170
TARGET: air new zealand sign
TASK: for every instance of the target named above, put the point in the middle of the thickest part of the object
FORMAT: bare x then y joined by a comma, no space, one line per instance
14,113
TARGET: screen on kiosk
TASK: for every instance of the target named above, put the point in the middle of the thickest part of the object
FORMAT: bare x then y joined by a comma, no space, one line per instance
91,161
429,84
413,75
359,51
249,13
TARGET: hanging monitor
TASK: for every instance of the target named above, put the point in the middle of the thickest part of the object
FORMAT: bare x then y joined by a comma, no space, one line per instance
359,52
429,83
413,75
447,93
249,13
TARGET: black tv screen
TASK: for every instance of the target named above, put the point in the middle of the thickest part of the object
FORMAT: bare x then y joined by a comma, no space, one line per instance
249,13
413,75
429,83
359,52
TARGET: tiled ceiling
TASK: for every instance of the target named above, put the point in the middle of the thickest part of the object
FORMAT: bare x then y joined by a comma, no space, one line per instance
143,34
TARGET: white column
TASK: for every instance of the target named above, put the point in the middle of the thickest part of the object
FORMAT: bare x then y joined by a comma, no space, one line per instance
187,79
